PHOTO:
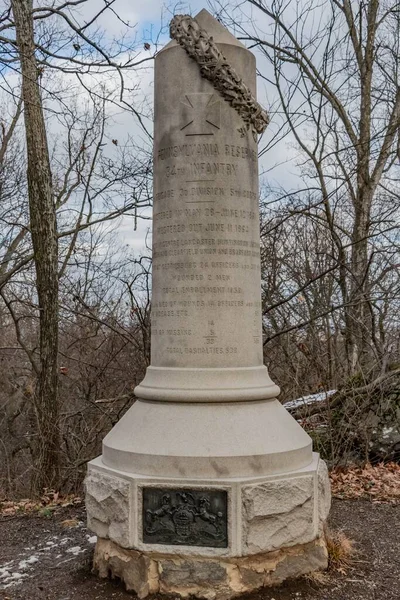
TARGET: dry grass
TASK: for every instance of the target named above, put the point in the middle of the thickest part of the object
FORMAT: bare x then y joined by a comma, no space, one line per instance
340,558
340,551
317,578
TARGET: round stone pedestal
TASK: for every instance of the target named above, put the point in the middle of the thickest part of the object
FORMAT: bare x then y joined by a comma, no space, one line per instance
272,529
207,440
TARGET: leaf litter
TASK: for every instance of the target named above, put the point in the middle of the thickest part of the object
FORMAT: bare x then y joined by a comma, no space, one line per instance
378,483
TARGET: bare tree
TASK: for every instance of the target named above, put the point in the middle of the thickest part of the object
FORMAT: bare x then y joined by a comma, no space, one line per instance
43,230
74,82
335,70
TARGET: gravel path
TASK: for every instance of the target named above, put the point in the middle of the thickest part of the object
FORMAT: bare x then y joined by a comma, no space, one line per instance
49,558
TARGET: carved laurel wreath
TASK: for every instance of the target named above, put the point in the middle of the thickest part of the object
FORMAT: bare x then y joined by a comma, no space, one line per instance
214,67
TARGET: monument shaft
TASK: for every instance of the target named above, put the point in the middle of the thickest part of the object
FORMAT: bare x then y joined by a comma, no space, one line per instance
206,243
206,246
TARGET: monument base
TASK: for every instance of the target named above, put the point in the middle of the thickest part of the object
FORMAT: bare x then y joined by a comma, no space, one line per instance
273,529
148,573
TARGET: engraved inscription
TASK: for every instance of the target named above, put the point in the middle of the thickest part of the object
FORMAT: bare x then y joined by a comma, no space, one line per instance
225,213
186,517
188,150
206,250
202,350
201,169
206,149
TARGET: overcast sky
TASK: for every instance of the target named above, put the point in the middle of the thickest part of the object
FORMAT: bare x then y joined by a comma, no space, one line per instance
149,17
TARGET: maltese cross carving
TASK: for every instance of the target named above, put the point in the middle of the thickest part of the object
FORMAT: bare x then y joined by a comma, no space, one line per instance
201,114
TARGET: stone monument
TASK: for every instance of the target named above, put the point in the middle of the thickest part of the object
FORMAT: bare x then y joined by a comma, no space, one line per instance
207,486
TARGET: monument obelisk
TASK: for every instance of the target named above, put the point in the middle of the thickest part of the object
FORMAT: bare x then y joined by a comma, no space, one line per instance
207,464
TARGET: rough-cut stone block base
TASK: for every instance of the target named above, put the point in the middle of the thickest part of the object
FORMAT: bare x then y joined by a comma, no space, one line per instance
264,514
210,578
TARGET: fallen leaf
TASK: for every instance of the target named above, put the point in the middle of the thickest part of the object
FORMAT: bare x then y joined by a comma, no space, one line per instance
70,523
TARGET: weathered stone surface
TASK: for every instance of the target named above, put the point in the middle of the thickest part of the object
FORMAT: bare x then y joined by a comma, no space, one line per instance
300,560
206,257
276,496
278,513
219,578
201,47
191,572
107,505
137,571
324,493
248,578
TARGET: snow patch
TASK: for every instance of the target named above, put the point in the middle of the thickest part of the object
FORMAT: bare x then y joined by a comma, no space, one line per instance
50,549
4,572
24,564
92,539
75,550
304,400
13,579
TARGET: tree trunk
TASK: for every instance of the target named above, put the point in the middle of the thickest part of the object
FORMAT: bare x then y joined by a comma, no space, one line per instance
358,306
43,227
357,310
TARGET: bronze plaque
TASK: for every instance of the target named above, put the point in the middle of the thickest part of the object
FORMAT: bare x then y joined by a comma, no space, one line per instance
188,517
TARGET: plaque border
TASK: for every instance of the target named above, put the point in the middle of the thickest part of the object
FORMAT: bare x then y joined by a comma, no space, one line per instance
181,511
233,541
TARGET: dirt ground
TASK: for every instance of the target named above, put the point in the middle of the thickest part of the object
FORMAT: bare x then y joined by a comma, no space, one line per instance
49,558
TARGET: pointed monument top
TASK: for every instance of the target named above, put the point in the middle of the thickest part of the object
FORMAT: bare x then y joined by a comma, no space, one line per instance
214,28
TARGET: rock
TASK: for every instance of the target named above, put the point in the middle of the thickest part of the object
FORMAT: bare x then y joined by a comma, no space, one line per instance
133,568
278,514
107,505
211,578
309,558
211,480
324,493
276,497
369,412
192,572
